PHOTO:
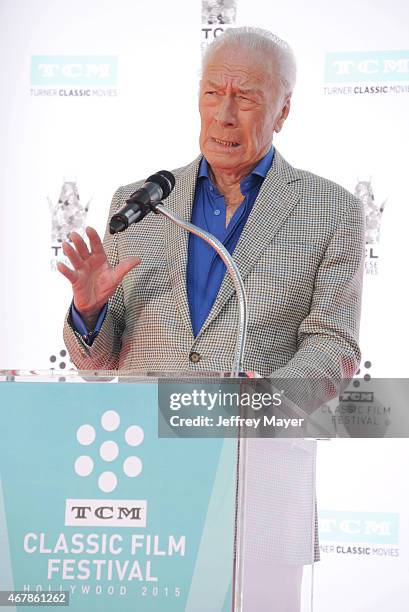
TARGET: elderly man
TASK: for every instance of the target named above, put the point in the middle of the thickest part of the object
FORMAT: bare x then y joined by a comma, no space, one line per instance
153,298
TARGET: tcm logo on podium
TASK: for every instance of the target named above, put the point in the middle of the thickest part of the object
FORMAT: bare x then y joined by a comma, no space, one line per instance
108,512
105,513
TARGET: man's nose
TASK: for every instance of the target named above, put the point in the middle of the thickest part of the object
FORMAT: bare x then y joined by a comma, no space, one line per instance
226,114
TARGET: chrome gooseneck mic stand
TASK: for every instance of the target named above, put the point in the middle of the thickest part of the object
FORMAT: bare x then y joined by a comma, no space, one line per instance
237,368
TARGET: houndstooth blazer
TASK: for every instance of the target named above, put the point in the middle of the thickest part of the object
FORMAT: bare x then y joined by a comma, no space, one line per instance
300,255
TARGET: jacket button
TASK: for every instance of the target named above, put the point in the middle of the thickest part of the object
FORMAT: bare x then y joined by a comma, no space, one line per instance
194,357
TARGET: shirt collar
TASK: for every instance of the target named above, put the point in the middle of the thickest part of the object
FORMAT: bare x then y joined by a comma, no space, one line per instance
260,170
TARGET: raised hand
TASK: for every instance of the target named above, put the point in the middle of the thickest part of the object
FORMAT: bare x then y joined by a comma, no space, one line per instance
93,280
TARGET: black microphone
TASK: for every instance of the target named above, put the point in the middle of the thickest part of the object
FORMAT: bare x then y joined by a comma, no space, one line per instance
156,188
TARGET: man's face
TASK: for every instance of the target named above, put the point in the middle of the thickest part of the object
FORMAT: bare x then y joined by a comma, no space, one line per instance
241,104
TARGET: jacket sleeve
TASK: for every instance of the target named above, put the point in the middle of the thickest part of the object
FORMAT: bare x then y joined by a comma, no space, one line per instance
328,353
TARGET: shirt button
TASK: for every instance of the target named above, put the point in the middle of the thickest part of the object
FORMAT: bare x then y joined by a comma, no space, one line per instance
217,212
194,357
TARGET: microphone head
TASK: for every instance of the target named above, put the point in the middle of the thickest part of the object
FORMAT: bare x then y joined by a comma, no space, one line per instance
169,176
165,180
117,224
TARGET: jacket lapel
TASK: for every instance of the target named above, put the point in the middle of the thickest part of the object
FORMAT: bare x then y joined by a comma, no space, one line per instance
180,201
273,204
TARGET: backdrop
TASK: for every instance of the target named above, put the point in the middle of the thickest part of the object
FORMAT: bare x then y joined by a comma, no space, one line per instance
99,94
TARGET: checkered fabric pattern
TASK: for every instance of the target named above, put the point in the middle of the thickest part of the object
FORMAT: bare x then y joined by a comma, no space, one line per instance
280,512
300,256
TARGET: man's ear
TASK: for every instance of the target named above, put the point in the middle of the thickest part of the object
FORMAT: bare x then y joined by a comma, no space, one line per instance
283,115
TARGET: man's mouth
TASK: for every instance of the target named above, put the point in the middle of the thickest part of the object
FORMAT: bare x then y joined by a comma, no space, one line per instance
226,143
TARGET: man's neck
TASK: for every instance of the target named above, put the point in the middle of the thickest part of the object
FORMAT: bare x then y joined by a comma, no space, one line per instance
229,186
227,182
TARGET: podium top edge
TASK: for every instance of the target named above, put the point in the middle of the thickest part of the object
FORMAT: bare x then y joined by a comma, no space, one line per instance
71,375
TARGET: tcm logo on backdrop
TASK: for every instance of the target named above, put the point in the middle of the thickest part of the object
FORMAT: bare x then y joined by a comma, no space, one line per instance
359,414
113,449
68,214
74,75
362,527
49,70
362,415
215,15
373,72
373,216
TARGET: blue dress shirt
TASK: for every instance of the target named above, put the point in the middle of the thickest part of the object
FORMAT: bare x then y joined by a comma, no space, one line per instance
205,269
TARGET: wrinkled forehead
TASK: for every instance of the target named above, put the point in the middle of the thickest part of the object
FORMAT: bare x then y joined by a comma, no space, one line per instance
243,68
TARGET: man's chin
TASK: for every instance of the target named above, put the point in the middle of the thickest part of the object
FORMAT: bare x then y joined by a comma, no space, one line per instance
223,160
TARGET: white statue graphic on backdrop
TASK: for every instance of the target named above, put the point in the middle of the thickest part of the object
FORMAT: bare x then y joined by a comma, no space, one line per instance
68,214
373,211
218,11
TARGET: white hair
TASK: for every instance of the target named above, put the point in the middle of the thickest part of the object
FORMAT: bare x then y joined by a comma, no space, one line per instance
281,56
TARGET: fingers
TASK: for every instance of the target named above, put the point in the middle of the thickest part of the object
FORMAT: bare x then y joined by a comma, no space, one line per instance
73,256
80,245
95,241
67,272
125,266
